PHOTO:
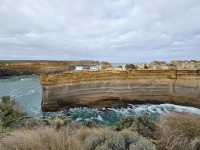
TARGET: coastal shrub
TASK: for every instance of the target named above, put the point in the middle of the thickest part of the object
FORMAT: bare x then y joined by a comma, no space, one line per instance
134,141
57,121
105,139
44,138
142,144
94,139
179,132
144,124
90,124
67,138
9,112
31,123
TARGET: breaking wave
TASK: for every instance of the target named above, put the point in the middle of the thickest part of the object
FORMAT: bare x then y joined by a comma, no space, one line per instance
112,115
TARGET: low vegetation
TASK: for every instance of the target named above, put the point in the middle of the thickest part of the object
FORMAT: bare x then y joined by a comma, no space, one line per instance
9,113
69,138
179,132
144,124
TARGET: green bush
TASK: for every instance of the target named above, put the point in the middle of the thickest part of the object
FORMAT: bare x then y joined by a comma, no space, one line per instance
57,121
144,125
9,112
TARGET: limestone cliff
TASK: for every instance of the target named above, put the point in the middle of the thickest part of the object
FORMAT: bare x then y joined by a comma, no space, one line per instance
106,88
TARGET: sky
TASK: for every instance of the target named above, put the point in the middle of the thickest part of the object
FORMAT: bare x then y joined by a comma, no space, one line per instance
110,30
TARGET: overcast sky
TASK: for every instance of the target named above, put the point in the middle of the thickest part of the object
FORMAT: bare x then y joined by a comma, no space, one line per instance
113,30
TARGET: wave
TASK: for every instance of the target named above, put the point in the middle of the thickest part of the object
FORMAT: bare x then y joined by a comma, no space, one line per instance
110,115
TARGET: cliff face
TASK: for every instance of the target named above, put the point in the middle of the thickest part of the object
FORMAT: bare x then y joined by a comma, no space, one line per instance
107,88
37,67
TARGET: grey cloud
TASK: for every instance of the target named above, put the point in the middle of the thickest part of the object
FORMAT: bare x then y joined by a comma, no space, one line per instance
115,30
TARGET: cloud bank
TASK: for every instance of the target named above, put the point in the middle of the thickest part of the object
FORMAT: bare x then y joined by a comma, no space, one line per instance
114,30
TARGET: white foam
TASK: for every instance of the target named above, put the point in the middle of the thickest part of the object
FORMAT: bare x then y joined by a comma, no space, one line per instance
99,118
166,108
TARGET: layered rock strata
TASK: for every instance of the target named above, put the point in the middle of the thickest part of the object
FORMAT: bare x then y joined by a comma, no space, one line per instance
105,88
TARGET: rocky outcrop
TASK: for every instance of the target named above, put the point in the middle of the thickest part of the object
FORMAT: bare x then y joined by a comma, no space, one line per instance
106,88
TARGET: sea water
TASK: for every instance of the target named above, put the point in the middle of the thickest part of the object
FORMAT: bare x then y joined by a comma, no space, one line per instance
27,92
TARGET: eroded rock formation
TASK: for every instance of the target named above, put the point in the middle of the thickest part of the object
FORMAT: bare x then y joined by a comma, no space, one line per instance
106,88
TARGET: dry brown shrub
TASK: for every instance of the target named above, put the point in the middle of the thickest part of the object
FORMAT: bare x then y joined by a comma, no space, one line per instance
107,139
179,132
43,138
70,138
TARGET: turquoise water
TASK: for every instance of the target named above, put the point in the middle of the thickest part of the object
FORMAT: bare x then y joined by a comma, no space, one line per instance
27,91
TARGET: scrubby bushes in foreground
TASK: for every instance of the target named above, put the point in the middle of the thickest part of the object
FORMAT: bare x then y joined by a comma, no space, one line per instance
144,124
9,113
179,132
69,138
